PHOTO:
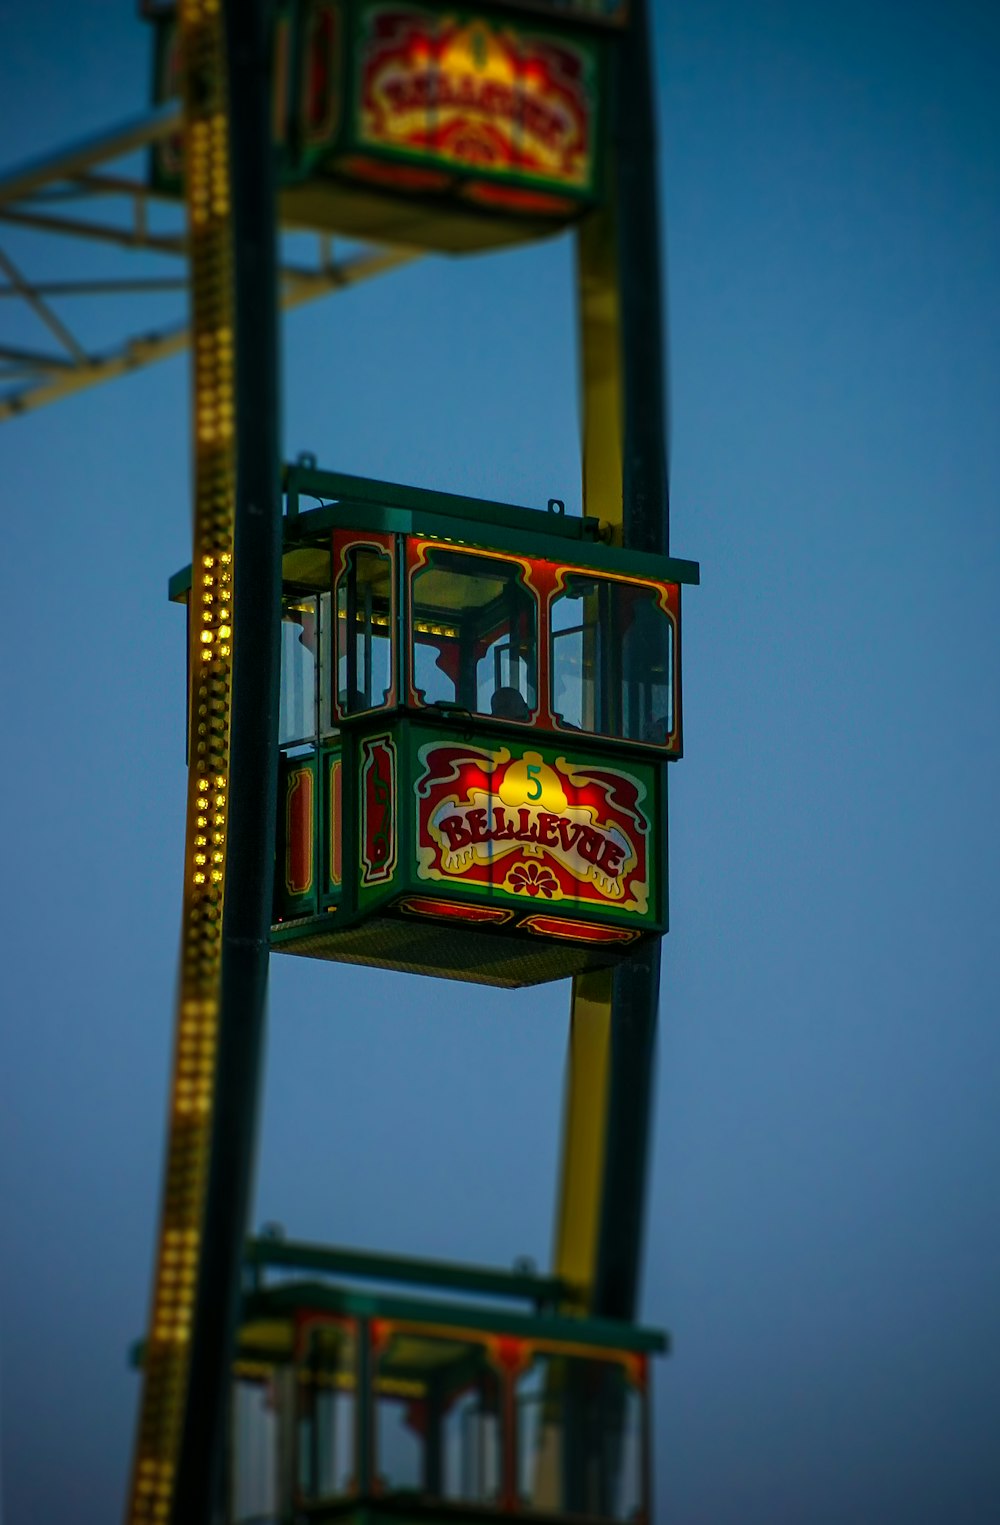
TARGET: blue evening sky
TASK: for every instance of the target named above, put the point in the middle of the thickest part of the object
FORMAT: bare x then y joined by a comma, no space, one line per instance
823,1235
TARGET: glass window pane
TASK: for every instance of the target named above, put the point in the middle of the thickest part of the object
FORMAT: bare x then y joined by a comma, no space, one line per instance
364,631
470,1437
647,656
438,1419
612,659
254,1481
574,666
580,1438
297,707
475,635
326,1395
435,669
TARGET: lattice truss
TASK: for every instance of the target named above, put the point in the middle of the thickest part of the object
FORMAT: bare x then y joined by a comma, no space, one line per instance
93,267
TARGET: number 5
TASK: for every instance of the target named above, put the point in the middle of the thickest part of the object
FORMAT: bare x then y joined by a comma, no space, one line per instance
534,769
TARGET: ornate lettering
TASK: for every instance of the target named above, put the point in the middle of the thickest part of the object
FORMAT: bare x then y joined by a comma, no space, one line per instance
532,827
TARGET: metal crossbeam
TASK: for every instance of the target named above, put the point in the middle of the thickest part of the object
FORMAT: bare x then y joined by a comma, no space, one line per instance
81,195
41,308
53,377
19,183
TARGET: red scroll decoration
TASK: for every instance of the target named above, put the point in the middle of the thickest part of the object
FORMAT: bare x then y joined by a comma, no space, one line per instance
299,831
576,931
549,831
378,809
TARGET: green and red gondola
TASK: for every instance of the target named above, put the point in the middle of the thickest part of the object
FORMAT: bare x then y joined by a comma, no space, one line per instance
478,706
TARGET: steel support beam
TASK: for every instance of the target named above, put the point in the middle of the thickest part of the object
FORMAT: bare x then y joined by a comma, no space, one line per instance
248,31
609,1092
69,162
60,377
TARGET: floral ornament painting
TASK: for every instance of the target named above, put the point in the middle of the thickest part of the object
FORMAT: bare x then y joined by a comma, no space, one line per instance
530,879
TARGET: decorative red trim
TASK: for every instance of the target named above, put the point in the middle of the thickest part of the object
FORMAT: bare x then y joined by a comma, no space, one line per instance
379,838
575,931
299,831
321,53
448,910
404,177
512,199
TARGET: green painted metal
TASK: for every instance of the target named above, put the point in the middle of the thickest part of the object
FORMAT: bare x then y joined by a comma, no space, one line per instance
610,1335
387,507
391,507
302,480
264,1254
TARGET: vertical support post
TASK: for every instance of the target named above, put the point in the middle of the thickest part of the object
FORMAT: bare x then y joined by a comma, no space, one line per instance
645,480
588,1063
253,766
602,402
646,527
613,1023
167,1367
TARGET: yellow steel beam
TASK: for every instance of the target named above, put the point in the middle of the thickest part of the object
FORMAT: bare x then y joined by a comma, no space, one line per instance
299,287
602,394
30,294
588,1063
24,203
70,162
584,1135
100,232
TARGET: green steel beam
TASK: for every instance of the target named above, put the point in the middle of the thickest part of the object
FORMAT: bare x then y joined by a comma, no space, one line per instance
484,1281
66,163
285,1300
397,509
340,485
